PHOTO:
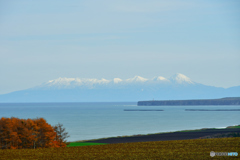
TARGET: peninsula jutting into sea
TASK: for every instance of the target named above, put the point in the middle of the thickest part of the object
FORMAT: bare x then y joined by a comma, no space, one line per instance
221,101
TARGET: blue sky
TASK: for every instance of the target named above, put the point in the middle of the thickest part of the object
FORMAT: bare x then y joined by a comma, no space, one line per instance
44,40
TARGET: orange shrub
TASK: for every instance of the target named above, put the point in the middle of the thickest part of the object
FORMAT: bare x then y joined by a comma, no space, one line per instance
27,133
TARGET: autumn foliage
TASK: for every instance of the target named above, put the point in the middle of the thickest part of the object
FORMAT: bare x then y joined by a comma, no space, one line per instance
18,133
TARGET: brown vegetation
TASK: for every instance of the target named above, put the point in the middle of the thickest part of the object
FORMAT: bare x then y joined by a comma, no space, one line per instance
18,133
178,149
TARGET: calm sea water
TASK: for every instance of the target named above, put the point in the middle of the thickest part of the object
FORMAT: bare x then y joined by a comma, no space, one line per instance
85,121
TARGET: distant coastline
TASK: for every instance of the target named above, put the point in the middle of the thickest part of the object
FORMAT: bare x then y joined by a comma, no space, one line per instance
221,101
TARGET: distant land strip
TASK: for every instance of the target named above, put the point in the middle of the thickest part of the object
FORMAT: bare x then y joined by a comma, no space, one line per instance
212,109
143,110
221,101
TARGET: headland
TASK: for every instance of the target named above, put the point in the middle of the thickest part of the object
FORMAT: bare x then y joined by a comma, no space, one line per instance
221,101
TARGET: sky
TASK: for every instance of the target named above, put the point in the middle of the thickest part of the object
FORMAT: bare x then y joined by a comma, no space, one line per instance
45,40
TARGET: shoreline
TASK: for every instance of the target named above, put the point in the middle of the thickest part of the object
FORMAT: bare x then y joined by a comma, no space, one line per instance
165,136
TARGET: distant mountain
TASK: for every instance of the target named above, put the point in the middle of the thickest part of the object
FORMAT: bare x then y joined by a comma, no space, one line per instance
137,88
181,79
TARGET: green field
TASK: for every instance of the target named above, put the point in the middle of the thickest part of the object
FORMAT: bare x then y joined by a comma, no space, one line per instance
203,129
234,126
178,149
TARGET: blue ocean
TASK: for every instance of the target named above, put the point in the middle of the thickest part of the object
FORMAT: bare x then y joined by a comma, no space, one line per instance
85,121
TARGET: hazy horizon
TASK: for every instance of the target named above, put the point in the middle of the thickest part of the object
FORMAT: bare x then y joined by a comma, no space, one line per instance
45,40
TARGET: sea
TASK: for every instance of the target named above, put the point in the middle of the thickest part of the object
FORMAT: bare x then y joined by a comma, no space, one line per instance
86,121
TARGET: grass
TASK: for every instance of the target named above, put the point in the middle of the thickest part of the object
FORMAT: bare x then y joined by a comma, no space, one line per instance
199,130
203,129
234,126
177,149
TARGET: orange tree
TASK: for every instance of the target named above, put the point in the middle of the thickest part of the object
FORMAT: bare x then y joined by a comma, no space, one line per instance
30,133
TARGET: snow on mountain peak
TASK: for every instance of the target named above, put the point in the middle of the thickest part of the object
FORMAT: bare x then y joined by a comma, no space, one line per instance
180,78
160,78
137,79
104,80
95,81
61,81
90,82
117,80
76,81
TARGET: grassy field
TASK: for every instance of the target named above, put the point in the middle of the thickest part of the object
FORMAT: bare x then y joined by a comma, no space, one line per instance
203,129
179,149
234,126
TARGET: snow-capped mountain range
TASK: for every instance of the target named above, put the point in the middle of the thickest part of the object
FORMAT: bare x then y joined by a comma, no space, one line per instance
133,89
77,82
